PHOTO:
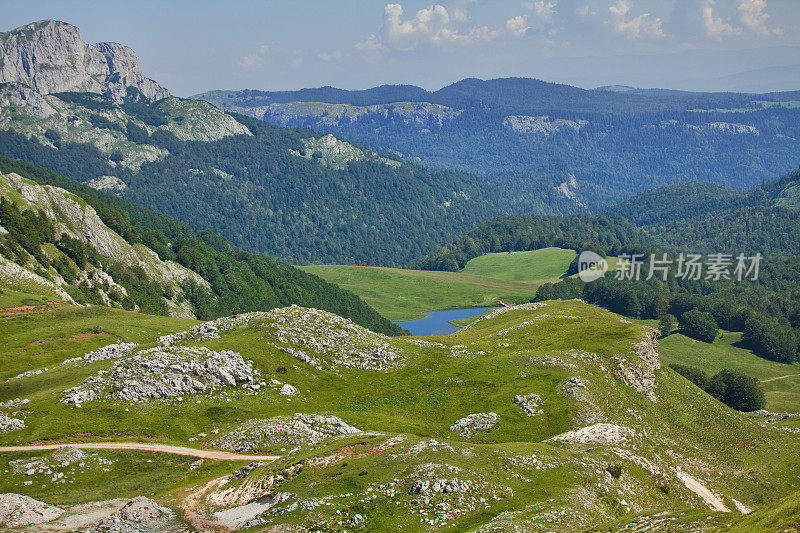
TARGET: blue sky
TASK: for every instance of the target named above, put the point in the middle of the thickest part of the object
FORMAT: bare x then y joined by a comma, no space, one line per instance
194,46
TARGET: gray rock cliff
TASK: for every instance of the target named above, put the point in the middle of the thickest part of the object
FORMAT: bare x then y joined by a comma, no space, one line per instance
50,56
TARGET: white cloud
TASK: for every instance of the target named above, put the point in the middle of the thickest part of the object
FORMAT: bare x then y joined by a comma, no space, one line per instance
517,25
372,44
255,59
543,10
716,27
753,14
644,25
431,25
330,56
251,61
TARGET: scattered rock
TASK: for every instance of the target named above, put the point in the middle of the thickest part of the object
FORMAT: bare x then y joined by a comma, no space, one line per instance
640,373
602,433
288,390
530,403
17,510
346,343
10,424
299,429
67,455
571,385
471,424
160,373
139,515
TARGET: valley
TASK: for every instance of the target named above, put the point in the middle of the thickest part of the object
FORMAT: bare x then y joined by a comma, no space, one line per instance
405,294
328,310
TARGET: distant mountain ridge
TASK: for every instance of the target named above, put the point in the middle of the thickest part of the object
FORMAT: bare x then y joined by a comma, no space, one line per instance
610,143
513,94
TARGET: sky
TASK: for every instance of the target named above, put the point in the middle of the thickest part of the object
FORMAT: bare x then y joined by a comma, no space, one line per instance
195,46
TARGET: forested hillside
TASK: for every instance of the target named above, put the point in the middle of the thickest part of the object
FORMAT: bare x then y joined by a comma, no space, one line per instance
292,194
615,144
229,281
523,232
703,217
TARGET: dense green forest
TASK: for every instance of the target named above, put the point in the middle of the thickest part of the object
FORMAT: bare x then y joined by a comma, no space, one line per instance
263,198
531,232
702,217
631,141
239,281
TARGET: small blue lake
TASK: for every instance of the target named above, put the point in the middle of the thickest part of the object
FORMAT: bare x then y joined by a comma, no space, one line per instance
438,322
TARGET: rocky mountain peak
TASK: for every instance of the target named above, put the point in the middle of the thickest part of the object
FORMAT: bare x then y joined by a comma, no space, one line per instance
50,56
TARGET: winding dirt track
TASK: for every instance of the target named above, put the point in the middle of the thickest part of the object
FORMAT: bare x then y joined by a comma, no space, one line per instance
162,448
779,377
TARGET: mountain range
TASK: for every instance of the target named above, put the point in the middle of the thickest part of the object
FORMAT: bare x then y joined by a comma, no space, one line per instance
615,141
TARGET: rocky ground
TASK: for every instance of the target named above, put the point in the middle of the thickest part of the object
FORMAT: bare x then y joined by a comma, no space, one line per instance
161,373
471,424
340,341
295,431
138,515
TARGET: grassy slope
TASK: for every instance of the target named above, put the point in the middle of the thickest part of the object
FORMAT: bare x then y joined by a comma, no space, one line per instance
40,339
420,400
782,394
401,294
547,264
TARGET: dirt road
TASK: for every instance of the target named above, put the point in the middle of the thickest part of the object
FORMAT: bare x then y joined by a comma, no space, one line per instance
162,448
711,499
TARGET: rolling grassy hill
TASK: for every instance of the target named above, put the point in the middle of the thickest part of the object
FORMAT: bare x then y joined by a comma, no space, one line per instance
546,264
405,294
508,473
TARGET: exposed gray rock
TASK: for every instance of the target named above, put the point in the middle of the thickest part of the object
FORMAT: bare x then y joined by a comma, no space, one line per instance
8,423
471,424
110,351
639,372
424,115
110,184
440,485
530,403
19,95
300,429
139,515
67,455
160,373
541,124
50,56
571,385
602,433
17,510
